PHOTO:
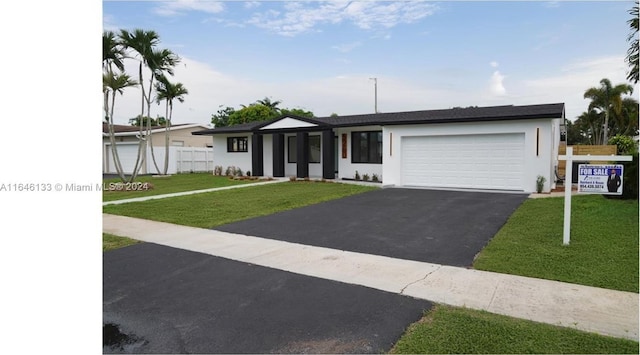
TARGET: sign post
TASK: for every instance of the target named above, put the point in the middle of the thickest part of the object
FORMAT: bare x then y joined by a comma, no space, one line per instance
569,157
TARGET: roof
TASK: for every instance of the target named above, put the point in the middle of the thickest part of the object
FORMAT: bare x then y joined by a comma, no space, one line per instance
453,115
125,130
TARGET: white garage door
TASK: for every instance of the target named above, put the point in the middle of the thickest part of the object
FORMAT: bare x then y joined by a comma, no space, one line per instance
127,153
486,161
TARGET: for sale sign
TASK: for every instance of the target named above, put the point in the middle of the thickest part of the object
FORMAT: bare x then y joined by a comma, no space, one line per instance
600,179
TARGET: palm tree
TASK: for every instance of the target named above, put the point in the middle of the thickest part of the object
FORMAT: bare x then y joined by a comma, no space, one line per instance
589,124
625,122
272,105
112,52
607,98
632,52
111,85
159,62
142,44
168,91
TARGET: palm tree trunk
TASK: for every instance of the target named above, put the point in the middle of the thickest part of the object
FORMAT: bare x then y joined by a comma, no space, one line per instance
605,133
140,159
112,140
149,135
167,125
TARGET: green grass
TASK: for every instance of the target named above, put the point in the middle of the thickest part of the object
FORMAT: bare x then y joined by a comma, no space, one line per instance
169,184
604,243
111,242
452,330
212,209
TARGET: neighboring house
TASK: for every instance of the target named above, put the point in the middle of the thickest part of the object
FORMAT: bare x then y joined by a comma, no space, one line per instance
501,147
180,135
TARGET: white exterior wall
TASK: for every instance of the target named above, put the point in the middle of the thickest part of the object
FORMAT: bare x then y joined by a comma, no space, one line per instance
347,169
225,159
542,164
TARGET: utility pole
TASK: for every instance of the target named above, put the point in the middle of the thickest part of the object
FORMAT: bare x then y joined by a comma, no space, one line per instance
375,93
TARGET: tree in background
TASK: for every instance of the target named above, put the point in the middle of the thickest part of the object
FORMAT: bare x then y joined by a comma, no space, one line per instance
143,45
168,92
606,99
589,129
632,53
261,110
139,120
112,83
221,118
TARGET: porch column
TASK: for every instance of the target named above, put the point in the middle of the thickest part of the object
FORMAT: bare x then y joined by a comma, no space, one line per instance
328,155
257,164
302,154
278,155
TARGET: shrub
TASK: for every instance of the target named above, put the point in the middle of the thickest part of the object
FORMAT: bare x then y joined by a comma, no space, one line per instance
238,172
375,178
365,177
357,175
217,170
292,178
248,173
540,183
625,144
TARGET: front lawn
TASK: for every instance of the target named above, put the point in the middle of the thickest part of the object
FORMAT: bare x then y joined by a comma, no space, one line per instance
604,243
111,242
211,209
452,330
165,185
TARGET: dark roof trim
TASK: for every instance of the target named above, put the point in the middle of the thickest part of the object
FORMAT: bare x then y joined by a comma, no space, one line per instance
455,115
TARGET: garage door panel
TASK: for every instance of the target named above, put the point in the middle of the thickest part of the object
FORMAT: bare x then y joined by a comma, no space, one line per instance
490,161
127,153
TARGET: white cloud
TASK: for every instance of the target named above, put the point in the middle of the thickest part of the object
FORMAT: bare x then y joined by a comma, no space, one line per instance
176,7
496,86
251,4
494,64
347,47
573,80
304,17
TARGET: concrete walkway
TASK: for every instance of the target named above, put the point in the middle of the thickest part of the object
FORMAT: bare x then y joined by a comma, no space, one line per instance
607,312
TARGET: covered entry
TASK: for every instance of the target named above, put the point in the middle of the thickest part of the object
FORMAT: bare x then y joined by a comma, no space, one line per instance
480,161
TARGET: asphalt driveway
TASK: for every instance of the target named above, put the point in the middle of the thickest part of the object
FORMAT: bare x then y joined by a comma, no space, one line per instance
158,299
436,226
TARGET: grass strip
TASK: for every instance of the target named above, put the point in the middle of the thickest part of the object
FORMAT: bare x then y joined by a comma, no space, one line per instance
111,242
604,243
453,330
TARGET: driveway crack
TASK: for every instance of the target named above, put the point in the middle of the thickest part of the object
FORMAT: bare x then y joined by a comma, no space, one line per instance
421,279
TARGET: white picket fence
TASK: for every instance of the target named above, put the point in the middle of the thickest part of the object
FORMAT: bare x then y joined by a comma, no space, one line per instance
181,159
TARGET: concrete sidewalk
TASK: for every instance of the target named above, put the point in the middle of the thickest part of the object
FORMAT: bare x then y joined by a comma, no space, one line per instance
607,312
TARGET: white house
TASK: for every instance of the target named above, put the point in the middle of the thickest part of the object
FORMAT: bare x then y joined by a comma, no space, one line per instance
498,148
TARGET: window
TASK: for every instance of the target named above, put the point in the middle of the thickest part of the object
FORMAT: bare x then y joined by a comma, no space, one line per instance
366,147
314,149
292,149
237,144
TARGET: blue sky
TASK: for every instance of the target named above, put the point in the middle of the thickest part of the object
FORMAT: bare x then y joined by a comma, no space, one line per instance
320,55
